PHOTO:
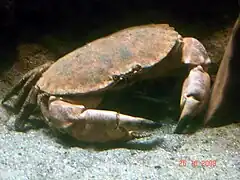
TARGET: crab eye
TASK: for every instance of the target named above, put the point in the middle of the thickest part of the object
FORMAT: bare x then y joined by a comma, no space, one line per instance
115,77
137,67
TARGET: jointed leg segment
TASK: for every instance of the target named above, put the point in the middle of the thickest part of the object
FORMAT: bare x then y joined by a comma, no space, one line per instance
23,87
27,94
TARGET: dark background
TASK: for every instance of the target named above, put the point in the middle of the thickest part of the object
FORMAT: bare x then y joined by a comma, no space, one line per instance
39,12
24,21
43,15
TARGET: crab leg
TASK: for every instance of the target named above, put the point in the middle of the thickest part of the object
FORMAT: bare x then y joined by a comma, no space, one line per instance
195,93
194,53
196,87
94,125
24,86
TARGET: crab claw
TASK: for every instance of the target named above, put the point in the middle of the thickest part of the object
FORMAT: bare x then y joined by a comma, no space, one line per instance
92,125
105,126
189,111
195,93
122,120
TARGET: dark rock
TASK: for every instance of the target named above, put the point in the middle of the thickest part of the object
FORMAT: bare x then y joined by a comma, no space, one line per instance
225,98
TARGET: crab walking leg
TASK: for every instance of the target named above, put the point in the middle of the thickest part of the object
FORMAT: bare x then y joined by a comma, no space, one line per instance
94,125
29,78
195,94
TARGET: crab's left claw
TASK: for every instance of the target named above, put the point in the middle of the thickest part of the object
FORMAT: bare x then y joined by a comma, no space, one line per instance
195,93
190,107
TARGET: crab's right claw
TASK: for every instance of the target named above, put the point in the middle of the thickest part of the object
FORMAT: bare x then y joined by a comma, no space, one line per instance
92,125
115,126
122,120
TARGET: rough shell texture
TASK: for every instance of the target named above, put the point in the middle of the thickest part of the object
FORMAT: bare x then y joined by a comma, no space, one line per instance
87,69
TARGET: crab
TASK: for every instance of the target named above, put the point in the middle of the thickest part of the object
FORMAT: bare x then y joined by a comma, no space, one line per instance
70,90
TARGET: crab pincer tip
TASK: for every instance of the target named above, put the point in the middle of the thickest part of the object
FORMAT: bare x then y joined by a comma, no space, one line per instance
150,124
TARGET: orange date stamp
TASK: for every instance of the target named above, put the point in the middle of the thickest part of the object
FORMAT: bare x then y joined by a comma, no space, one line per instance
198,163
